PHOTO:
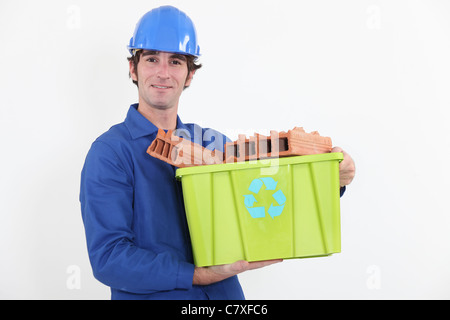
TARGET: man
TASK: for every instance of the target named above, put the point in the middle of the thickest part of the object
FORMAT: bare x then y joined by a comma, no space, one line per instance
132,206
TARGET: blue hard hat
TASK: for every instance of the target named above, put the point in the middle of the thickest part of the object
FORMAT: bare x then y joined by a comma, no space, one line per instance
165,29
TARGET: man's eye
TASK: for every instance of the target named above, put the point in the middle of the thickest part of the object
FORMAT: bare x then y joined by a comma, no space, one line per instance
176,62
151,60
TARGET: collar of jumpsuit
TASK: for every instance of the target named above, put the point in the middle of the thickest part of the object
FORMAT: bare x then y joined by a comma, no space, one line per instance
133,211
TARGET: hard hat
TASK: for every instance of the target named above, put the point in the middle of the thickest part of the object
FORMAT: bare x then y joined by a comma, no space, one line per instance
165,29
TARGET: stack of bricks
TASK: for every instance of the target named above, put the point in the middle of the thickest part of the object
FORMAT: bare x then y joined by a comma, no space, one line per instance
295,142
184,153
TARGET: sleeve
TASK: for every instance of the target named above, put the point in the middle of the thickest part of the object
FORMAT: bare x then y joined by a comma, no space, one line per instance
342,190
106,197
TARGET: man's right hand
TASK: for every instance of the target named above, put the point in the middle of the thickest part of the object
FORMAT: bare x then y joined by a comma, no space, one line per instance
212,274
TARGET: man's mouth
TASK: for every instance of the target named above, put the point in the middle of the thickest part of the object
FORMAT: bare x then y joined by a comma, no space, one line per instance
160,87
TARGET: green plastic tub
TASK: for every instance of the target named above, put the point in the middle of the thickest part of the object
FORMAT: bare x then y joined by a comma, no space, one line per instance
265,209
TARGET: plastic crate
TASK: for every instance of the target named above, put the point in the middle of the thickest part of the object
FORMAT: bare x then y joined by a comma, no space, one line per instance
265,209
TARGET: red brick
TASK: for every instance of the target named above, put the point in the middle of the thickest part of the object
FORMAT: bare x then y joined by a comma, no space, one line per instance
180,152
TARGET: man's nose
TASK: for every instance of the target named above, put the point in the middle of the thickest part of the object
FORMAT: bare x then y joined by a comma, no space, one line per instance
163,70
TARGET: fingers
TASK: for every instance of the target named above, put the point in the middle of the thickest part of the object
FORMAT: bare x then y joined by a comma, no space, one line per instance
337,149
238,266
242,265
346,167
208,275
261,264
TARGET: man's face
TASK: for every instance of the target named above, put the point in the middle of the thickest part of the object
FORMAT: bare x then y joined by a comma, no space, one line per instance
161,78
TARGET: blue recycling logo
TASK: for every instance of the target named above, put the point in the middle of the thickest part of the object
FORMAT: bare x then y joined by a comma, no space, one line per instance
258,211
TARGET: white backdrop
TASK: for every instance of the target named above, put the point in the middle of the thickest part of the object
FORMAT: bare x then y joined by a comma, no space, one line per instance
372,75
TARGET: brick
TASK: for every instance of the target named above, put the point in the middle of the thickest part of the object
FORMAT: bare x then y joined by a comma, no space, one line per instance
180,152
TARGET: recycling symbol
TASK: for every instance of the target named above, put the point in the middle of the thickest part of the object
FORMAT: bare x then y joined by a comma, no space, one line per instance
250,200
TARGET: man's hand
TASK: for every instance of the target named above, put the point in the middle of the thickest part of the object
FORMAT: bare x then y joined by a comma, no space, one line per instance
346,167
208,275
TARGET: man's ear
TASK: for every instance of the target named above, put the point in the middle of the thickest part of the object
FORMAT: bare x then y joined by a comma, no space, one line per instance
189,79
133,72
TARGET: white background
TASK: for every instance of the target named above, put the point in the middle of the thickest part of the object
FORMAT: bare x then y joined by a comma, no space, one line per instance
372,75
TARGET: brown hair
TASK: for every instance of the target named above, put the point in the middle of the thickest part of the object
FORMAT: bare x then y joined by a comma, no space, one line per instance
191,62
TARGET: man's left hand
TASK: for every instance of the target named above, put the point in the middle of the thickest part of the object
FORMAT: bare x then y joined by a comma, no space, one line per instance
346,167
